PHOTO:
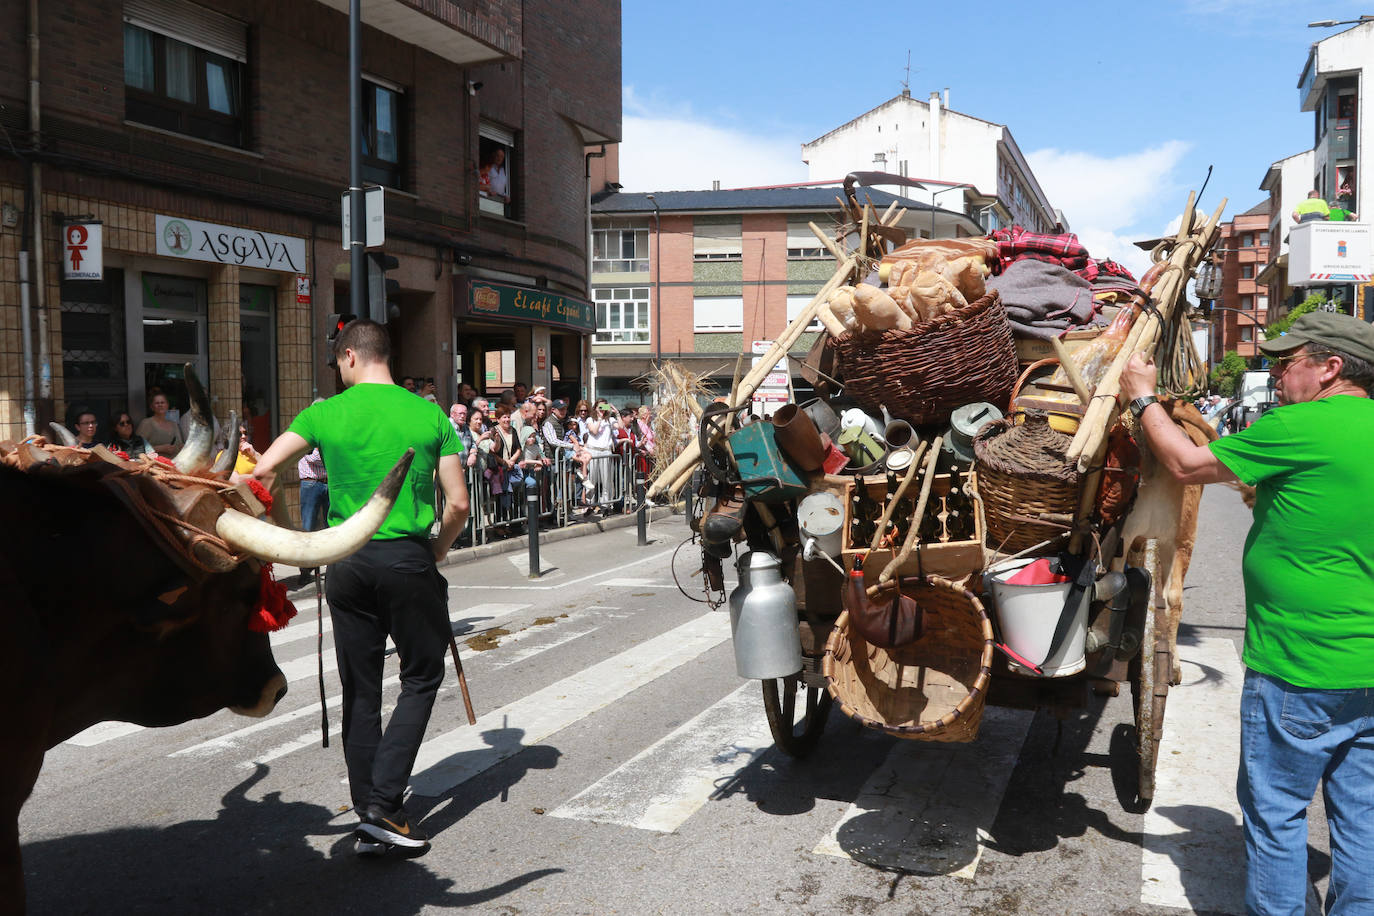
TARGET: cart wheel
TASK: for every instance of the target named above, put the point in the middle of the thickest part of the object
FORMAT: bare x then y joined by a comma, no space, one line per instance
796,739
1150,683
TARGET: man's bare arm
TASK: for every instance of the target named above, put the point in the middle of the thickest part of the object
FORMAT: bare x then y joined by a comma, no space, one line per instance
287,447
1187,461
455,492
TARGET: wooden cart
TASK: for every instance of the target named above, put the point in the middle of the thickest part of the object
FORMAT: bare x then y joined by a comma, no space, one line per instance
798,706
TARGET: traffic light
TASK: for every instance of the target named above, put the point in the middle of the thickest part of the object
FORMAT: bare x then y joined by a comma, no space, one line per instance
337,321
381,290
336,324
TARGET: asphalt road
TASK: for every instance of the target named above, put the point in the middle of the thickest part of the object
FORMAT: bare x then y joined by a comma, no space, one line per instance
619,765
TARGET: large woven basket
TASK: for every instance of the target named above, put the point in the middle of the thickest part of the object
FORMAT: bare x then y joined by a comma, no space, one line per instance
1029,489
922,374
933,689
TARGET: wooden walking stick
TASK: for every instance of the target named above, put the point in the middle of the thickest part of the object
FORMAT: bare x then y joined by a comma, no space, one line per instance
462,679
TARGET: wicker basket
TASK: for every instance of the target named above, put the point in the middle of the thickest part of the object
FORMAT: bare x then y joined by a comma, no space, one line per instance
1029,490
922,374
933,689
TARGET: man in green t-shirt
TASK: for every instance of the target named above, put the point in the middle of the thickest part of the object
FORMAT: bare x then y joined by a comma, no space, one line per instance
1313,208
392,587
1307,708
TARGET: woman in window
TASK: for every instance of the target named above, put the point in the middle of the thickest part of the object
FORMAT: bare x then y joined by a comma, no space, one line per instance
125,440
492,180
162,434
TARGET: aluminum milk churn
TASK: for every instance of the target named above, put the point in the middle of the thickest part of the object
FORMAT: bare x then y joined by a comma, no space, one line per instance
763,618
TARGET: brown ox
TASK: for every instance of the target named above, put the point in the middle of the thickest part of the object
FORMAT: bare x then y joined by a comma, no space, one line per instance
1166,511
102,623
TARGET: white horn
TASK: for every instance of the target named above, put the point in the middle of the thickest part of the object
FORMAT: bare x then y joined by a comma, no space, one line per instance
66,435
315,548
195,456
225,463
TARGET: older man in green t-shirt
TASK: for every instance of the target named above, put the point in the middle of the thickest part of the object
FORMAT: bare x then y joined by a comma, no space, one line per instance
1307,710
392,586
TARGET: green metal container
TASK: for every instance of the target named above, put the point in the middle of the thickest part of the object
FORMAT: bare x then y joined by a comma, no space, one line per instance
764,471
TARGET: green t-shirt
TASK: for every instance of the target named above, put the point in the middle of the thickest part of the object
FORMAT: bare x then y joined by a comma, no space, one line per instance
1309,557
361,434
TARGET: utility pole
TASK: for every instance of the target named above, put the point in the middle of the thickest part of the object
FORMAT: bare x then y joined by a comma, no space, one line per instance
357,245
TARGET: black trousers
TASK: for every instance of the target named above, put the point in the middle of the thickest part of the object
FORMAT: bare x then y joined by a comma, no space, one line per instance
387,588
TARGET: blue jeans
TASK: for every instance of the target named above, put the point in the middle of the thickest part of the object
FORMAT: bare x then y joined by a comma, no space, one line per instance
1291,739
314,504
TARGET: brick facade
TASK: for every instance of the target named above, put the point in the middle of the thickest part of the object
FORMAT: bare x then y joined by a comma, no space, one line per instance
551,79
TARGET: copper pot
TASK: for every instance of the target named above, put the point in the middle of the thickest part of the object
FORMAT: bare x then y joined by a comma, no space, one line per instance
798,437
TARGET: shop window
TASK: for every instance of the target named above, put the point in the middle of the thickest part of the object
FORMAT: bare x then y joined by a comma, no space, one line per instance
620,250
717,239
622,314
495,166
383,133
717,314
184,70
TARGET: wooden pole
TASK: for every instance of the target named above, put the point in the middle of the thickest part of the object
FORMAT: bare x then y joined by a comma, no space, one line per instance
691,454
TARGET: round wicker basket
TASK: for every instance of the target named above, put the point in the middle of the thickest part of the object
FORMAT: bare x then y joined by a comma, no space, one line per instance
922,374
1029,489
933,689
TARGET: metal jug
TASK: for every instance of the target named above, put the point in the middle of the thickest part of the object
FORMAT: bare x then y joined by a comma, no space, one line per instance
763,618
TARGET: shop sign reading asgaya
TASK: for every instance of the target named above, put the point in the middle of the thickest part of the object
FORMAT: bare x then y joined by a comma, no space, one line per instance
197,241
500,300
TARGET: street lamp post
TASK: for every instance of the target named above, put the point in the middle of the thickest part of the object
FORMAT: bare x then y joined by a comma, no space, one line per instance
1328,23
935,194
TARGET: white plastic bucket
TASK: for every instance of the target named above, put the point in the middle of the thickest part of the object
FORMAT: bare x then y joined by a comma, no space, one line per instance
1028,616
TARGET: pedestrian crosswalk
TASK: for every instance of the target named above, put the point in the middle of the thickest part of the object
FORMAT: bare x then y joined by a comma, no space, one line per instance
924,809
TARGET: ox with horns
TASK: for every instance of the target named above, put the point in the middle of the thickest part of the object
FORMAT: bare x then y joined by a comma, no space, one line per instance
177,553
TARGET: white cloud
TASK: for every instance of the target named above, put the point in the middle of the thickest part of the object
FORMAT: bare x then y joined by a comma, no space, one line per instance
670,148
1106,199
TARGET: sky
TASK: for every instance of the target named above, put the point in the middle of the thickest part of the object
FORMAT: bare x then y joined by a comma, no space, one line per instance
1120,108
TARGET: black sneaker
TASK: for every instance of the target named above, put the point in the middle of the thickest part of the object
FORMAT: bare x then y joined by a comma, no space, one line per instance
394,829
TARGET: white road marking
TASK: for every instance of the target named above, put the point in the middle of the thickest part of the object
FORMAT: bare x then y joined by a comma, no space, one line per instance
454,757
631,583
928,807
669,781
1193,855
234,739
101,732
561,585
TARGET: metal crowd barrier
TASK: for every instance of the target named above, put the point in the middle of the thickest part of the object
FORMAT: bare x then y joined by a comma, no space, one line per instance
565,496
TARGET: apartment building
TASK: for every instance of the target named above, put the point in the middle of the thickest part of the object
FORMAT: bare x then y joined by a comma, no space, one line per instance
1244,251
198,153
698,276
966,164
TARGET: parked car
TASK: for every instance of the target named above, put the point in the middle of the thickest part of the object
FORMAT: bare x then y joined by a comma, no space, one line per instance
1230,416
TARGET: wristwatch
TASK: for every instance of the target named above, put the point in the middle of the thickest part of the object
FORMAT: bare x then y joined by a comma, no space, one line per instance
1139,404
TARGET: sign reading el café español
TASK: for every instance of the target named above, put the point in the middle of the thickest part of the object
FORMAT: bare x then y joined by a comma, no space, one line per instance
499,300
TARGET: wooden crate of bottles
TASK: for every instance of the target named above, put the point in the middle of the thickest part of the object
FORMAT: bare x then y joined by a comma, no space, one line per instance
951,542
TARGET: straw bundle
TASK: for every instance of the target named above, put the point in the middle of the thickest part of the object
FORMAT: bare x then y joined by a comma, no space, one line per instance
678,393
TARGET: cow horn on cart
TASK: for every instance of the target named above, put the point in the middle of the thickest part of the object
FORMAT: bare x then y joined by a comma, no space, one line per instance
195,455
224,464
66,435
314,548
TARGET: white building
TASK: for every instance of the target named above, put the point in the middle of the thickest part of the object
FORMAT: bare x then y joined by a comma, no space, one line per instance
1331,86
969,165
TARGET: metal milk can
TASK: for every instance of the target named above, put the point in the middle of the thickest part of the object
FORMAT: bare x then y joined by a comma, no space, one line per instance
763,618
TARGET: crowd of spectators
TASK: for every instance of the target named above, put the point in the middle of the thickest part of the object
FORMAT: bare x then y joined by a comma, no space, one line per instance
507,446
510,446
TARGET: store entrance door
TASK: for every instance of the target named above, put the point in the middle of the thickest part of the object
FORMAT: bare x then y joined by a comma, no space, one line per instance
487,357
